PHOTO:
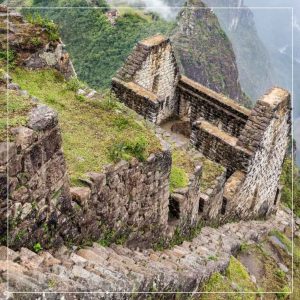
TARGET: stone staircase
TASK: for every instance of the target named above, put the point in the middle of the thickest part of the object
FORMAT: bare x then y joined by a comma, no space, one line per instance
122,271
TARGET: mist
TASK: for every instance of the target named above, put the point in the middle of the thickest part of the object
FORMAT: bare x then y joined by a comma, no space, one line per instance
161,7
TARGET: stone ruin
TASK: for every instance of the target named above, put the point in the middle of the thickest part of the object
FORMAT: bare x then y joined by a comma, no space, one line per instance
132,198
250,144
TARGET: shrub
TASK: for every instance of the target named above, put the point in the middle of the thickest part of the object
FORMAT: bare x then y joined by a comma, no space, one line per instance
37,247
50,27
73,84
121,123
128,149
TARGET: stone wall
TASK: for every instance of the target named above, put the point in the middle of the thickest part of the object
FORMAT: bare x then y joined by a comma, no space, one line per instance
267,132
219,146
130,199
137,98
152,66
184,202
201,102
210,206
35,168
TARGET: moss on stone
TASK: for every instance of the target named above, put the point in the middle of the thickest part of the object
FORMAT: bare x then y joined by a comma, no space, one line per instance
210,171
182,166
90,128
14,110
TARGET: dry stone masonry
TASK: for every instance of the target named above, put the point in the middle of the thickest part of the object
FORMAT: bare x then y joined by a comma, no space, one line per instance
127,273
250,144
131,200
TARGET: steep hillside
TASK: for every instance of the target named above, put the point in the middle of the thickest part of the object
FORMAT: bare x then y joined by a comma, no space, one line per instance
97,46
256,73
204,51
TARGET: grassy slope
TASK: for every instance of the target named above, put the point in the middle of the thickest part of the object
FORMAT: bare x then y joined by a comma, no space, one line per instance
271,279
289,180
94,132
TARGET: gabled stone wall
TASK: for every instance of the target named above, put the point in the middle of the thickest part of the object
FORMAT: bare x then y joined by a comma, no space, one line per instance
248,142
153,67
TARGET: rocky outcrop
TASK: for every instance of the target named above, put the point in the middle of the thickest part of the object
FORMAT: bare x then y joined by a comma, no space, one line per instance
122,271
204,52
35,45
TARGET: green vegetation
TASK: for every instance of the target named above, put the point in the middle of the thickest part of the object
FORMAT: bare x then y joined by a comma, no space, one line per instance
236,279
91,138
178,178
48,25
98,48
182,166
210,171
37,247
290,178
14,112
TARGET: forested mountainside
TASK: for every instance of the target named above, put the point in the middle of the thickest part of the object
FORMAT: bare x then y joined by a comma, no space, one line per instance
98,47
256,73
204,51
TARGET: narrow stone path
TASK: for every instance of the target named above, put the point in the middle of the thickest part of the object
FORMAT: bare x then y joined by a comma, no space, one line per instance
119,269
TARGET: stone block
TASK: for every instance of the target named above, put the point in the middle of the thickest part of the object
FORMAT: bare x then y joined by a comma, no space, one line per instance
24,137
7,151
42,118
81,195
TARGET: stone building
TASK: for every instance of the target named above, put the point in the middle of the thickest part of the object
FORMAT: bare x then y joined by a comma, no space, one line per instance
250,144
133,198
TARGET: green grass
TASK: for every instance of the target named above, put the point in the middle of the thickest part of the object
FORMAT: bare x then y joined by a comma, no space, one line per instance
210,171
178,178
91,129
183,165
13,113
288,181
235,275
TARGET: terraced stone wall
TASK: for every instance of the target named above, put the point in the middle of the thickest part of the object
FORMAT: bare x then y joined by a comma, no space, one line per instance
34,180
220,147
130,199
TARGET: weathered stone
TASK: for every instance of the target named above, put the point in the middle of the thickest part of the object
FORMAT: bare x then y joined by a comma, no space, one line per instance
7,151
24,137
42,117
81,195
